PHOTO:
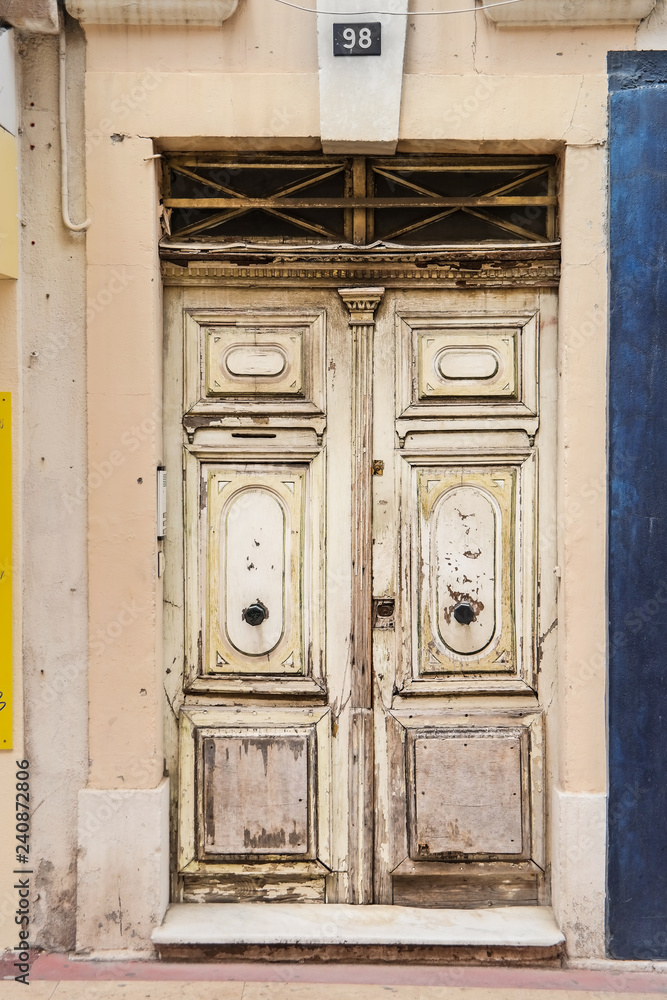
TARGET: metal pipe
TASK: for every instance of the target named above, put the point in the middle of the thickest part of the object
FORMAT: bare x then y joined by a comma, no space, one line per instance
64,182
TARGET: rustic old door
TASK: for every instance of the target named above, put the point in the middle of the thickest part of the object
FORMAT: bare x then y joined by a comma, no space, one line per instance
361,719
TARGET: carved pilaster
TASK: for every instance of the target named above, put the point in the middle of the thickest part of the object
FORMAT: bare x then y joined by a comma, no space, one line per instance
361,304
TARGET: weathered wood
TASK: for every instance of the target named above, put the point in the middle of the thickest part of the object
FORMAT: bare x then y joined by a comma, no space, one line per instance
240,770
356,191
362,781
434,163
479,808
250,888
208,265
277,202
361,303
472,257
390,784
433,884
549,957
241,690
255,795
358,201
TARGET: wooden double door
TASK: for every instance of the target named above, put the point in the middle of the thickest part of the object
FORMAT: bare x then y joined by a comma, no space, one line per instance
357,576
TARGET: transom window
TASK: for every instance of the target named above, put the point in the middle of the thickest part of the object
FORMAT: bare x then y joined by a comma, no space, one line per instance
405,200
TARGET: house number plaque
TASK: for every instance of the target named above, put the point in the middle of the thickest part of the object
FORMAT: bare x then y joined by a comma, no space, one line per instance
357,39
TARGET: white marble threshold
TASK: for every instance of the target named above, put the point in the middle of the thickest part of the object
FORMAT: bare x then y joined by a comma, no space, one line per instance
343,924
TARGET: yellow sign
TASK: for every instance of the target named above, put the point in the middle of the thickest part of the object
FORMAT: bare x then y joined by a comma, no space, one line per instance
5,571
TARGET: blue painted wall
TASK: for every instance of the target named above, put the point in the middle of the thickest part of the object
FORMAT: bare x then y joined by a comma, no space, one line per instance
637,848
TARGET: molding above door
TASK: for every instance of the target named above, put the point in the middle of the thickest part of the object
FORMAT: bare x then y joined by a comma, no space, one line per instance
568,13
447,267
202,13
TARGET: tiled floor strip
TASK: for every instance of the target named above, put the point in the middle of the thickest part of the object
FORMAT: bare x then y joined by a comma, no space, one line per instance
278,981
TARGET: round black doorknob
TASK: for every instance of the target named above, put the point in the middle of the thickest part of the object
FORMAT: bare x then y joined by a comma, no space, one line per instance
464,613
255,613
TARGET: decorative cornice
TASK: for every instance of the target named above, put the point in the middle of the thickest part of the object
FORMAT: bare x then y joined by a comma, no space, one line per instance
567,13
464,269
202,13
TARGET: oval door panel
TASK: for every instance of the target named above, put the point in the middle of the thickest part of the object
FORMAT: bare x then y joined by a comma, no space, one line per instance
463,569
255,538
253,361
467,363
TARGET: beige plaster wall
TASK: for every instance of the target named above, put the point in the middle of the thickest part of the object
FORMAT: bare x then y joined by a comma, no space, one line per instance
460,44
652,33
582,471
124,447
264,36
52,360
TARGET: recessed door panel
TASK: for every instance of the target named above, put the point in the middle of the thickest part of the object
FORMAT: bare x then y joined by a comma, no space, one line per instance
455,364
463,556
477,808
260,360
256,797
262,357
257,560
483,363
468,560
255,816
255,542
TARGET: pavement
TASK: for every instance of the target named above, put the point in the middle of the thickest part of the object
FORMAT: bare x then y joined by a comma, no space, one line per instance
57,977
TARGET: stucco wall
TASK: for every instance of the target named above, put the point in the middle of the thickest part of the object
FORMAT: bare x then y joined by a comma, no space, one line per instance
54,474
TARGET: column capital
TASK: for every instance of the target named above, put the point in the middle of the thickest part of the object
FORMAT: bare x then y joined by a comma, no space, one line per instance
361,303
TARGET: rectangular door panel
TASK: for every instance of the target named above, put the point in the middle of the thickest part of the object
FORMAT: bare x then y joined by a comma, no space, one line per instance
477,810
256,565
467,364
254,361
260,568
474,809
254,789
255,795
469,529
